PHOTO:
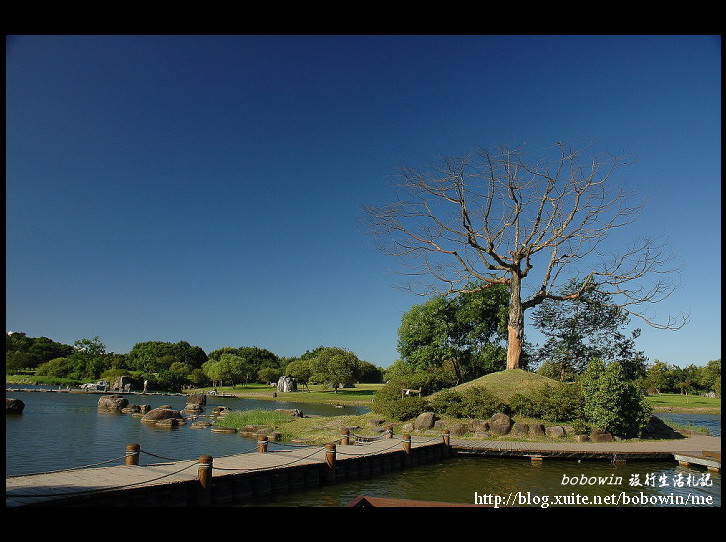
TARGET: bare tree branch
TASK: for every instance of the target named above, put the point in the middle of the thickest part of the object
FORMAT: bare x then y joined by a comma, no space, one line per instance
492,216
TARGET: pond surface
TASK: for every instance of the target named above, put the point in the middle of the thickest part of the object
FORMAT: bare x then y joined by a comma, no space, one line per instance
59,430
66,430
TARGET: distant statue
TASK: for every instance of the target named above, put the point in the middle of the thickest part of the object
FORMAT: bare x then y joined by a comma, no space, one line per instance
286,384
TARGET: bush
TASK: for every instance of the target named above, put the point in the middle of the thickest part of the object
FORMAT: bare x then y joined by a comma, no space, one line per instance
389,403
446,402
526,405
612,403
564,403
479,402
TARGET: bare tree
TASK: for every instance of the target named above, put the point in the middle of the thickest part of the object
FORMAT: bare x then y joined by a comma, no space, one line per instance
486,219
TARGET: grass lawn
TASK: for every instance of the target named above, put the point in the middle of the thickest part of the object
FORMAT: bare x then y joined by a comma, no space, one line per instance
675,402
362,394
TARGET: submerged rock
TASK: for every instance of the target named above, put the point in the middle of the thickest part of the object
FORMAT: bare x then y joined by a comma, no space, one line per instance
13,406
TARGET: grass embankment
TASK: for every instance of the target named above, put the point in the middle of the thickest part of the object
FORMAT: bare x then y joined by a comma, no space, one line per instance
688,404
362,394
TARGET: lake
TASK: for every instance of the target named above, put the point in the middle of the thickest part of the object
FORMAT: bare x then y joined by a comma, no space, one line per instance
65,430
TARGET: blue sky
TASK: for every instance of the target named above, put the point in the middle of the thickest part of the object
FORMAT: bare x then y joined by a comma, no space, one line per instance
210,188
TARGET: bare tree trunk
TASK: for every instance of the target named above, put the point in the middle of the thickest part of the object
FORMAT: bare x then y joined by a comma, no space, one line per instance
515,326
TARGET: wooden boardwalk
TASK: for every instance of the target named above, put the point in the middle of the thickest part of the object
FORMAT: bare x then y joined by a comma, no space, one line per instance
36,489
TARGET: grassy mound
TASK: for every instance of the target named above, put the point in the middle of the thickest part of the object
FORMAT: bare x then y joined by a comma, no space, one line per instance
504,384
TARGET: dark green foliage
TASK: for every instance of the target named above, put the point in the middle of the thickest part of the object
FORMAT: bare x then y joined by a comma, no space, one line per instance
582,329
390,403
472,402
23,352
465,333
552,403
613,403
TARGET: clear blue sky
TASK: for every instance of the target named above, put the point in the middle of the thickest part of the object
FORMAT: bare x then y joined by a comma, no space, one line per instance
210,188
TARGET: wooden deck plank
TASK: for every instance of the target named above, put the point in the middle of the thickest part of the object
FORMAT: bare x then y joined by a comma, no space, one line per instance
34,488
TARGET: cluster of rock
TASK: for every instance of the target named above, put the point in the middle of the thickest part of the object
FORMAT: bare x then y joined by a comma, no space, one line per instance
13,406
498,425
162,416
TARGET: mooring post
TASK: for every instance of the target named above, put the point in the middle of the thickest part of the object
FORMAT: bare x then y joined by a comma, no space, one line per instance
262,443
204,475
407,449
447,442
345,439
330,461
389,431
132,454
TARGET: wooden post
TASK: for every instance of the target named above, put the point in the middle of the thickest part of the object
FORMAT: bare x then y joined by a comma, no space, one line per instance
389,431
330,461
204,475
447,442
345,440
407,449
262,443
132,454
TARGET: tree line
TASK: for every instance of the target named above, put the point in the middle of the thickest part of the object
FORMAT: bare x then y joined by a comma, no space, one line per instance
174,366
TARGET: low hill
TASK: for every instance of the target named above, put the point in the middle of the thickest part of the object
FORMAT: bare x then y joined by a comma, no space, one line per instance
506,383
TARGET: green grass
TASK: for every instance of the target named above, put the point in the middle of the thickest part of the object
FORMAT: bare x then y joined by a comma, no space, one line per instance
361,394
241,418
675,402
504,384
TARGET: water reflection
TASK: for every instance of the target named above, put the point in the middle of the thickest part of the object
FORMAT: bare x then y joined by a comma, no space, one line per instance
59,430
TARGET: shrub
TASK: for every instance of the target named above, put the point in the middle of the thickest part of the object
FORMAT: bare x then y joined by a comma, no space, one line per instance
478,402
612,403
564,403
525,404
389,403
446,402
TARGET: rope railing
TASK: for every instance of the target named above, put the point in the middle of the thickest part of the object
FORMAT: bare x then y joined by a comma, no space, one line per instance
205,462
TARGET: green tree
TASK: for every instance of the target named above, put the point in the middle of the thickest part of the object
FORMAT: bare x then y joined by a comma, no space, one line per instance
269,374
583,328
612,403
334,366
301,370
465,332
710,376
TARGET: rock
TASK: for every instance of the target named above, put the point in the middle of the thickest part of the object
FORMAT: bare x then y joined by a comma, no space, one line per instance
131,409
425,420
555,431
407,427
458,429
658,429
600,436
294,412
193,408
537,430
200,424
13,406
167,422
520,429
157,414
286,384
373,422
479,426
196,399
143,409
581,438
500,423
113,402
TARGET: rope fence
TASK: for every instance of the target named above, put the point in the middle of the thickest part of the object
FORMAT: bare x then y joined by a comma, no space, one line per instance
206,467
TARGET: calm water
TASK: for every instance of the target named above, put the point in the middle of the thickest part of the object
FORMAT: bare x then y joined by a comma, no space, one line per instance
65,430
61,430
